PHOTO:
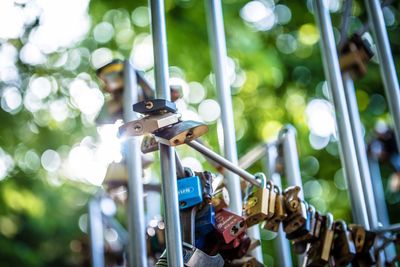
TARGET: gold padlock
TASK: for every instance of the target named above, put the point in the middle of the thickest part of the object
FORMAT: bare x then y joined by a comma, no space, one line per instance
111,75
271,199
355,55
181,132
220,199
272,224
255,207
296,210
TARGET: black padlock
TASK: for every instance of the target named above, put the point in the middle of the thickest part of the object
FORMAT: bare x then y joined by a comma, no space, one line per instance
304,230
154,106
206,179
343,250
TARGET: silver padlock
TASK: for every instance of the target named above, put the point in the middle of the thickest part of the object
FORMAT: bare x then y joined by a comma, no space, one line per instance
193,257
148,124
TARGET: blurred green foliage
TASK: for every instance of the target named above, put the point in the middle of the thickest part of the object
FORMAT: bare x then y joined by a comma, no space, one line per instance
40,211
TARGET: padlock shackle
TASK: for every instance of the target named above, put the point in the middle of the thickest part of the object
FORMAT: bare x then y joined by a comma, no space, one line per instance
224,162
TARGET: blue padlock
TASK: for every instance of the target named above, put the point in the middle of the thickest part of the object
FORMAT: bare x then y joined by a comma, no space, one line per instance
190,192
205,221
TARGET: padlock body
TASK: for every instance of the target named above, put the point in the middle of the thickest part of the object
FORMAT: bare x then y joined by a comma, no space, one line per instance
205,221
148,124
153,106
180,133
255,208
229,225
189,192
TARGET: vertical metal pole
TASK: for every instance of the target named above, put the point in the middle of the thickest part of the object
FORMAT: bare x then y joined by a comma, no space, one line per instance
386,63
220,60
382,210
335,84
136,222
361,151
96,233
287,139
167,154
282,245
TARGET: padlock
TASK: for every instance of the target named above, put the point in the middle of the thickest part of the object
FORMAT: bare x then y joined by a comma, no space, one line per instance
229,225
255,206
205,221
343,249
364,243
187,218
149,144
296,210
247,261
206,179
319,220
237,250
304,235
111,75
355,55
148,124
320,250
181,132
154,106
190,192
272,224
220,199
176,92
271,199
193,257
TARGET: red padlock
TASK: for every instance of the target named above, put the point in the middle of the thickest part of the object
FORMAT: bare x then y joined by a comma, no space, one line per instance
229,225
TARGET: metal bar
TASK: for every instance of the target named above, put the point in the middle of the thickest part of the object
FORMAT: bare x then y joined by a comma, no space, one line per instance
379,192
251,157
167,154
287,138
290,156
96,233
391,228
335,84
123,234
180,170
136,223
224,162
219,57
282,245
386,63
361,152
382,211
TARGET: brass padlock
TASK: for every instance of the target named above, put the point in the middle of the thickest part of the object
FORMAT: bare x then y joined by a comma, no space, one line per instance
271,199
355,55
343,250
111,75
148,124
272,224
255,206
220,199
320,250
364,243
296,210
181,132
149,144
305,234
